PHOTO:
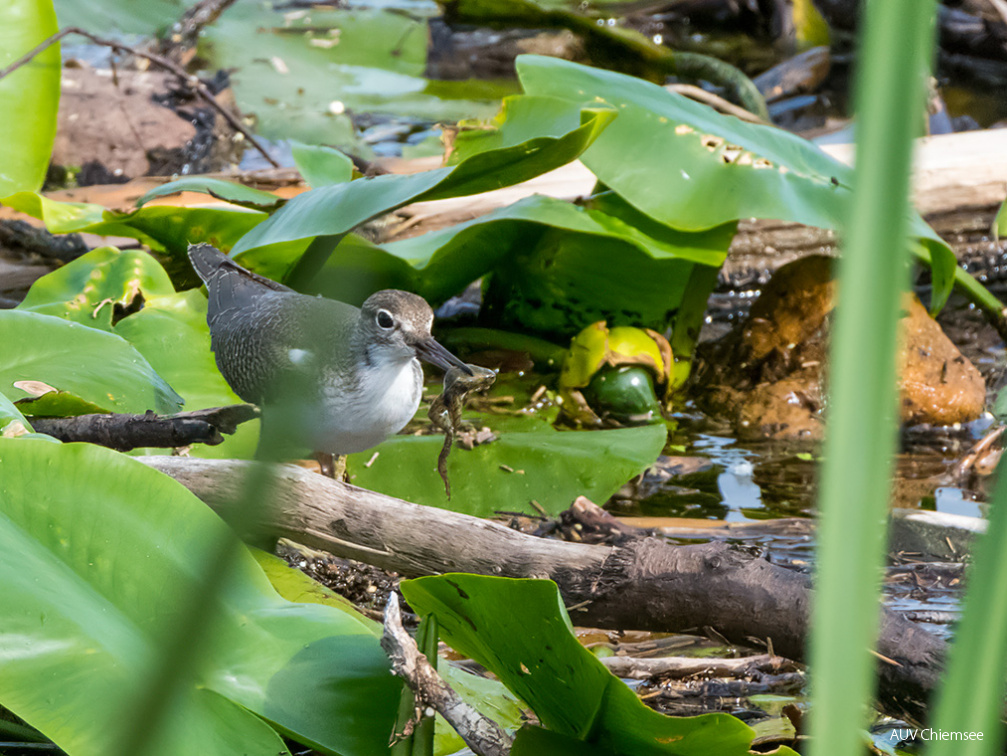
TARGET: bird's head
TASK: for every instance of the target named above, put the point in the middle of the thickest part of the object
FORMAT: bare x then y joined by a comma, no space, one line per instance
398,323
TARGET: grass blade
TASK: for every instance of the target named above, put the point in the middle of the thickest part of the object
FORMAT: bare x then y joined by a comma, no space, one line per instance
856,479
971,697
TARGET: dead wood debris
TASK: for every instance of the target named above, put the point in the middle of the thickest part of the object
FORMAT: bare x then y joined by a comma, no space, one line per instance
705,695
365,586
124,432
480,733
26,239
644,583
682,667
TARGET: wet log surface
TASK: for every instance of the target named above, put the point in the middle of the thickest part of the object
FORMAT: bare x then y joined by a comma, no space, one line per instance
644,583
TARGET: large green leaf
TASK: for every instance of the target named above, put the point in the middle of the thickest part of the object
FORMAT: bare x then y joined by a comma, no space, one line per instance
331,211
95,562
87,289
692,168
30,95
541,250
335,209
519,630
535,741
687,165
100,368
548,466
447,255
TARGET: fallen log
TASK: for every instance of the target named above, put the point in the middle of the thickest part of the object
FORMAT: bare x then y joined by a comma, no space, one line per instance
644,584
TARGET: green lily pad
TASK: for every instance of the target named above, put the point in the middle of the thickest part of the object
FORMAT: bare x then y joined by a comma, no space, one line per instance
691,168
98,559
87,289
15,425
548,466
515,242
320,165
59,404
99,367
686,165
30,94
302,74
59,217
100,16
519,630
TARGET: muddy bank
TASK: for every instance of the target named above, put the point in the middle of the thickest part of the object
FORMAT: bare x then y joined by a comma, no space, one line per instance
767,375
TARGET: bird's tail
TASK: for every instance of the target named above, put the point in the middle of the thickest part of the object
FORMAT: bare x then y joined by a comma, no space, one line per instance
229,286
208,260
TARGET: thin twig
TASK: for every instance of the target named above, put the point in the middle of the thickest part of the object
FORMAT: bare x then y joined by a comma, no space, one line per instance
189,80
709,98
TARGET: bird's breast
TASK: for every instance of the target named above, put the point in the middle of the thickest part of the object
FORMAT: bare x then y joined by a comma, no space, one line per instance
355,418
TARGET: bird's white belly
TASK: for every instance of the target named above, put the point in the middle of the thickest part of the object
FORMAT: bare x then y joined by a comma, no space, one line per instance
350,422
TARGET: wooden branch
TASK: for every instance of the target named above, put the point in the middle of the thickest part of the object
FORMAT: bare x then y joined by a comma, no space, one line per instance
645,584
124,432
678,667
479,732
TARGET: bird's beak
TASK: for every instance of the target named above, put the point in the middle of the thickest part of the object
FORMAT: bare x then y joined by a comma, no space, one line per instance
431,351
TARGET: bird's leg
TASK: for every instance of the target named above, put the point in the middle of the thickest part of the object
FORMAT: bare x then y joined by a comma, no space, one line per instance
327,462
333,465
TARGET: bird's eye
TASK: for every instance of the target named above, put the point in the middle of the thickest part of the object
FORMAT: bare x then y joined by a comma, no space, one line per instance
385,319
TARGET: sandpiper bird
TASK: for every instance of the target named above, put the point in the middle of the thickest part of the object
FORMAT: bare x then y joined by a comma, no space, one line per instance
329,377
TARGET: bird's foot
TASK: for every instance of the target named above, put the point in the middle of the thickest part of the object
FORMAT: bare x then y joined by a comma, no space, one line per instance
333,465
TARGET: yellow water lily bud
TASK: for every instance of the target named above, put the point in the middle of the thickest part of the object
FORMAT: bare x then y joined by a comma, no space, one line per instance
598,384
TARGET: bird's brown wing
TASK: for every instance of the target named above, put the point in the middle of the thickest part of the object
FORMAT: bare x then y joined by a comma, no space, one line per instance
228,285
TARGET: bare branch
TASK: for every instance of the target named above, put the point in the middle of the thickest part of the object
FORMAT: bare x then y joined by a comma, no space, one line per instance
480,733
124,432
